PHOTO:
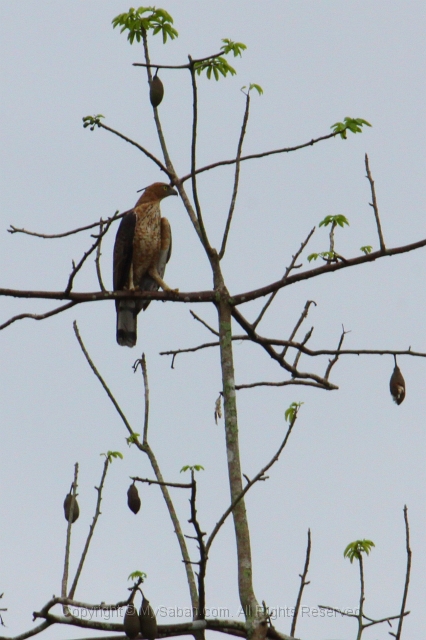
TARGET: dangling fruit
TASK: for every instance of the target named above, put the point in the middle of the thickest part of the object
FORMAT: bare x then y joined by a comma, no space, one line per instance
156,91
397,385
133,499
131,622
148,621
67,508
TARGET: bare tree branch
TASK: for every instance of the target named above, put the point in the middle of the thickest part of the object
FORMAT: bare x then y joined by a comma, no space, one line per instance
236,177
250,483
91,529
298,324
326,268
73,492
37,316
147,449
177,485
98,257
138,146
142,363
374,205
194,315
287,271
51,236
336,357
263,154
303,584
407,574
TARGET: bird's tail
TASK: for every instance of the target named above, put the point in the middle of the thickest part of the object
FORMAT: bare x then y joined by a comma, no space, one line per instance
126,323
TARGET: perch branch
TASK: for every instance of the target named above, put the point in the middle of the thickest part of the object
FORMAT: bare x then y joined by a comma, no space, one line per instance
68,539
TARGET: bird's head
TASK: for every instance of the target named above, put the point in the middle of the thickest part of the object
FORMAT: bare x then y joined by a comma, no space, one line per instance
157,191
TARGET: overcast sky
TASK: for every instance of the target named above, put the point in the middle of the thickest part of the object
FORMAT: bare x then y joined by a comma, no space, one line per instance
354,458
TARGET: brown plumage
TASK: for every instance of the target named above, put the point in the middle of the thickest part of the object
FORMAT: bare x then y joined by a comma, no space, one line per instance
142,249
397,384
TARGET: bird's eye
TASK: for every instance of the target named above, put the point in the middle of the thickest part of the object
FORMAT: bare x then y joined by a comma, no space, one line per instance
165,187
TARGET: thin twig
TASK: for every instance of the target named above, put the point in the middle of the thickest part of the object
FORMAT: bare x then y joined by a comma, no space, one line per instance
173,66
263,154
303,317
285,383
333,361
194,315
236,177
177,485
142,363
204,238
304,341
287,271
374,205
95,245
101,380
138,146
202,549
73,492
146,449
46,236
250,483
98,258
91,529
407,574
38,316
303,584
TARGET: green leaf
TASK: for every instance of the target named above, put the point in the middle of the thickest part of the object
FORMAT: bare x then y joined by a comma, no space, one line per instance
354,549
313,256
291,413
353,124
336,220
195,467
136,23
367,249
257,87
235,47
135,575
132,439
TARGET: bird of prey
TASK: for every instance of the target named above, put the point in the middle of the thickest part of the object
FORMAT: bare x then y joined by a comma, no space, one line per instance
397,384
141,251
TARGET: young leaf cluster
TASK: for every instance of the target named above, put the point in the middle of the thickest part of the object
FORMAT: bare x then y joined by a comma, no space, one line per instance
219,65
352,124
354,549
253,86
136,23
195,467
334,220
366,249
92,121
110,455
137,575
291,413
327,255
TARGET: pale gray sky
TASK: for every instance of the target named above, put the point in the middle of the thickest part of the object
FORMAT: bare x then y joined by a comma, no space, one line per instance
355,458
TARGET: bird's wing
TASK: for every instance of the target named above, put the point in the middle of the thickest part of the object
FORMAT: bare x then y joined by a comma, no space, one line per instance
147,283
123,251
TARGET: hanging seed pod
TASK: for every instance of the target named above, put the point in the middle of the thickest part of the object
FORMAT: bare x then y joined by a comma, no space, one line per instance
397,384
67,508
131,621
133,499
148,621
156,91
